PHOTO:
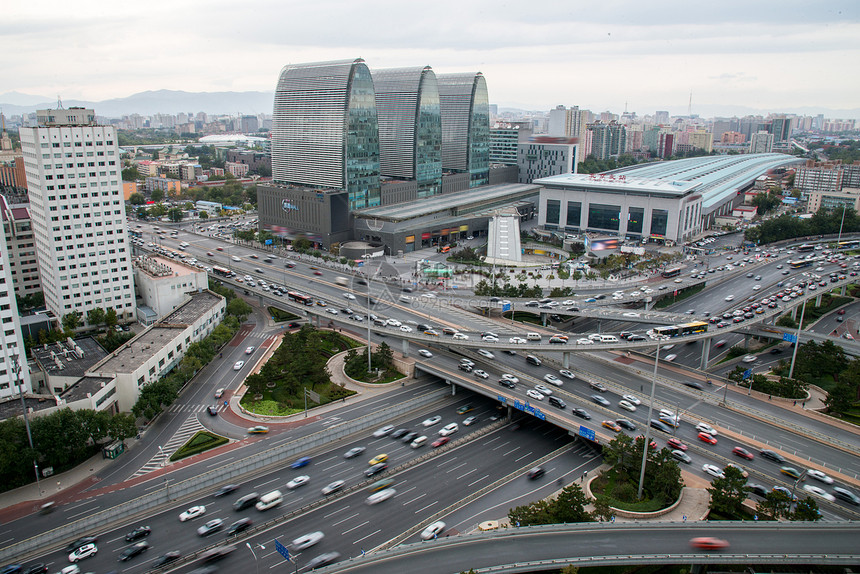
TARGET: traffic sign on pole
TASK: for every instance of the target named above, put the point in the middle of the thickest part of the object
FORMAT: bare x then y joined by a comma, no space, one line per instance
789,337
747,374
282,550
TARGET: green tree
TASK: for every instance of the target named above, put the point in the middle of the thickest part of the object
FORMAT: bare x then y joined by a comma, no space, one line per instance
142,213
840,398
786,321
71,321
122,426
603,511
96,316
729,493
130,174
175,214
620,452
157,195
203,215
239,308
806,509
110,317
775,505
136,198
569,505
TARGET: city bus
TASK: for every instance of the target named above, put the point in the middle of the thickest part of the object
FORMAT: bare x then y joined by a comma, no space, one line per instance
800,263
221,271
805,247
671,272
849,244
681,330
300,298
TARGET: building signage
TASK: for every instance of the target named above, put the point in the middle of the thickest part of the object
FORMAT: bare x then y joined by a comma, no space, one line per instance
288,206
526,407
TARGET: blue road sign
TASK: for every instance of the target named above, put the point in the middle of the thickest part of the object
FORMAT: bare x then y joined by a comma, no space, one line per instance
586,432
282,550
506,307
747,374
268,242
789,337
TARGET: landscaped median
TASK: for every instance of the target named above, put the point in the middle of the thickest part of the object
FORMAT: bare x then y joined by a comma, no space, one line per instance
200,442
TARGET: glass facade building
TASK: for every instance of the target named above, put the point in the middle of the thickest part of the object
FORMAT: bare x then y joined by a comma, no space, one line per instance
410,126
325,130
465,110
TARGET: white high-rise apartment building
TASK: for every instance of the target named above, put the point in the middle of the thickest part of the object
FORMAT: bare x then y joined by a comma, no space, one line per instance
13,360
78,213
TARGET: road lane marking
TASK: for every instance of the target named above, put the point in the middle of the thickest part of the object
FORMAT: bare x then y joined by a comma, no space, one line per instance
368,536
355,527
336,511
347,518
414,499
467,474
426,507
522,457
462,464
486,476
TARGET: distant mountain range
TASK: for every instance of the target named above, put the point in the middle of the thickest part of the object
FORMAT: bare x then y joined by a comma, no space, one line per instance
175,101
148,103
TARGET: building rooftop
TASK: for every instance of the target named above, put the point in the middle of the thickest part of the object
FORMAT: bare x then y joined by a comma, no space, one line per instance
136,352
12,407
159,267
84,387
453,203
75,357
716,178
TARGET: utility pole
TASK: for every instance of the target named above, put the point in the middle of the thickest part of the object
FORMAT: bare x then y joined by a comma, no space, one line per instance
648,426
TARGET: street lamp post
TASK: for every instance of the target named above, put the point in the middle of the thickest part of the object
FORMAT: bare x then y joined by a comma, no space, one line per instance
794,488
797,340
16,370
254,554
648,426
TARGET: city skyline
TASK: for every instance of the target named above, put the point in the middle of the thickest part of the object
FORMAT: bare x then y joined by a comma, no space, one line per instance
607,56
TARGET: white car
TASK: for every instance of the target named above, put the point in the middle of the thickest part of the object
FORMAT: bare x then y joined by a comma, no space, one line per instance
749,359
432,421
627,406
384,431
510,377
449,429
670,357
706,428
84,551
406,329
425,353
481,373
584,341
332,311
543,390
460,337
307,540
819,476
249,350
552,379
517,341
378,497
192,513
756,287
714,471
349,296
298,481
490,339
567,374
486,354
534,394
433,530
818,491
393,323
632,400
730,297
238,365
631,314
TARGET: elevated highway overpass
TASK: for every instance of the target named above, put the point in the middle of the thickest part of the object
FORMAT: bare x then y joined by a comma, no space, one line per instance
551,547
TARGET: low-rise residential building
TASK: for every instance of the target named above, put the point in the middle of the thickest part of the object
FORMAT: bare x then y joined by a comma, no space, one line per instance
163,283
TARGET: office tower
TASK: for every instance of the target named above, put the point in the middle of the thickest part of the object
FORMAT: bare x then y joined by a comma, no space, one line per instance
324,130
780,127
661,117
607,139
761,142
78,213
410,126
465,108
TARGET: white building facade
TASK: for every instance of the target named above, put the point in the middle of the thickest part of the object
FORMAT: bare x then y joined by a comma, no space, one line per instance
13,359
78,213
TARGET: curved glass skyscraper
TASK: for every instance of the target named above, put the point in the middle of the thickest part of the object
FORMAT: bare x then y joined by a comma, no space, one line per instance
410,126
465,107
324,130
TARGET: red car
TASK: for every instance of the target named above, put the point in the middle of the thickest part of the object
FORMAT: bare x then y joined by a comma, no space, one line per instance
440,441
653,443
709,543
742,452
705,437
840,312
317,272
676,444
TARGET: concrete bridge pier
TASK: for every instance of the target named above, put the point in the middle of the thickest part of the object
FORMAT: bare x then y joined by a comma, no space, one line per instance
405,347
453,387
746,342
698,568
794,313
543,319
818,300
565,359
598,327
844,290
706,351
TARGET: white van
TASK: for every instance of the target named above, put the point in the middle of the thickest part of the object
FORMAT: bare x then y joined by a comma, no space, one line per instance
419,442
270,500
608,339
533,336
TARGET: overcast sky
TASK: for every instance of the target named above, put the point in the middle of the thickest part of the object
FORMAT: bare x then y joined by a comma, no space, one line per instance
768,54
